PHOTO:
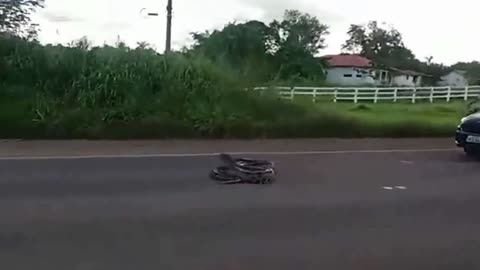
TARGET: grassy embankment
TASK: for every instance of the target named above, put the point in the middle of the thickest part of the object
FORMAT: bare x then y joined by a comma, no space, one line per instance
58,92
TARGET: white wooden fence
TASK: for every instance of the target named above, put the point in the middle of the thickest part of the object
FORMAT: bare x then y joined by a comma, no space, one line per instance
356,95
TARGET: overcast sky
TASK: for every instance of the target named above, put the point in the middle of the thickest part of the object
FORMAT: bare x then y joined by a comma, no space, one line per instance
446,30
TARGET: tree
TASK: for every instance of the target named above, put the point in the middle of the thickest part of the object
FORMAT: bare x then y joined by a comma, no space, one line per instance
472,70
143,45
280,50
15,16
120,44
241,47
82,43
429,60
294,41
299,30
234,42
359,41
383,46
435,70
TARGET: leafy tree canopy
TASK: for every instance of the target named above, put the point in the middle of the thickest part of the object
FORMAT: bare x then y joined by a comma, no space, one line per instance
279,50
15,17
386,48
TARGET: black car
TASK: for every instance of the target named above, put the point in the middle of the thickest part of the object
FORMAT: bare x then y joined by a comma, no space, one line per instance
468,134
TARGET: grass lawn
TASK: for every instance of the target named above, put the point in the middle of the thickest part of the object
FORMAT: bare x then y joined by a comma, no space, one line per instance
389,111
435,119
444,113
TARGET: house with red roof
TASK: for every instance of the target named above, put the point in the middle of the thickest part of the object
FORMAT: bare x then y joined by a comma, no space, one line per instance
356,70
349,69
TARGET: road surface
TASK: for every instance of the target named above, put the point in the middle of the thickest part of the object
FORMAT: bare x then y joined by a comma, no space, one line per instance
387,205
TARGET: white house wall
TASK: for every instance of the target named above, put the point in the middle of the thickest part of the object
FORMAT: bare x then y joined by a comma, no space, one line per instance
454,79
406,80
349,76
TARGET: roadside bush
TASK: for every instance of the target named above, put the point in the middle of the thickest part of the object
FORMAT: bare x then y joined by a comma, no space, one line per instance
80,92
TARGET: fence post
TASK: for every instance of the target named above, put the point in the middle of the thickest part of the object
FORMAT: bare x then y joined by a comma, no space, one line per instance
375,99
335,93
292,93
355,98
314,95
431,94
395,94
449,93
414,95
466,93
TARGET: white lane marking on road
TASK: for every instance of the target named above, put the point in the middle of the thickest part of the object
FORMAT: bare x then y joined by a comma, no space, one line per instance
253,153
395,187
408,162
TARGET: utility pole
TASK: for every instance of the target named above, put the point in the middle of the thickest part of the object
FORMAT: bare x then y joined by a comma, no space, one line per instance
168,44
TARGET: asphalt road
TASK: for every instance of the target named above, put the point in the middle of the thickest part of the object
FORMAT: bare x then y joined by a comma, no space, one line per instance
345,210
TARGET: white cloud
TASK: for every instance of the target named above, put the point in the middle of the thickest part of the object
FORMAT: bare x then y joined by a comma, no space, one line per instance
443,29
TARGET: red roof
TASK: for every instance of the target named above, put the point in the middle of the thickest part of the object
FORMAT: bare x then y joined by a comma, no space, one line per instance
348,60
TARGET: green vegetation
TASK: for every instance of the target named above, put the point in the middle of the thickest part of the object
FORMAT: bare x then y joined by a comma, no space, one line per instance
116,92
80,91
278,52
107,92
396,120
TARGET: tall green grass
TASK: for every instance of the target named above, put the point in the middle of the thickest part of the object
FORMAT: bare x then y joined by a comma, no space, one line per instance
118,92
106,92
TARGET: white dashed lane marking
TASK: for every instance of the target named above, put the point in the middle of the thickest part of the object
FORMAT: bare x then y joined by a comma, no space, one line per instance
394,187
407,162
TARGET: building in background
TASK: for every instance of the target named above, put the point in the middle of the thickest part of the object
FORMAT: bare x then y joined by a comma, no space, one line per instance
456,78
349,70
406,78
356,70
